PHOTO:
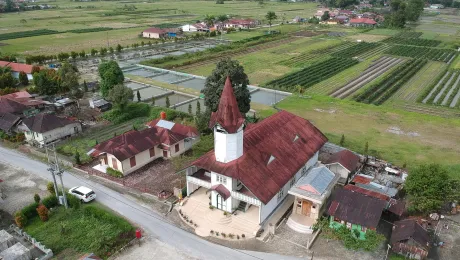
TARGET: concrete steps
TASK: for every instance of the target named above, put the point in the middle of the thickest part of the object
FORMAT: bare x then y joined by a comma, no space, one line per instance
299,227
225,220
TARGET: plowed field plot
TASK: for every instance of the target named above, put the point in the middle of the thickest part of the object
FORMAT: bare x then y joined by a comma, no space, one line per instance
445,91
372,72
409,34
355,50
444,55
379,92
313,74
411,91
412,41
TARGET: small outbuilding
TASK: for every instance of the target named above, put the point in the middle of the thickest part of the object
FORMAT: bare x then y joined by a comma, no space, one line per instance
345,163
410,239
155,33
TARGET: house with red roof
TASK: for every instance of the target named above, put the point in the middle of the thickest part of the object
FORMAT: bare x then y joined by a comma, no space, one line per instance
240,23
155,33
252,167
344,163
16,68
362,22
134,149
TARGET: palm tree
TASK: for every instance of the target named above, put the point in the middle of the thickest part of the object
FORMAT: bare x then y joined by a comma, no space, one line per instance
270,16
209,20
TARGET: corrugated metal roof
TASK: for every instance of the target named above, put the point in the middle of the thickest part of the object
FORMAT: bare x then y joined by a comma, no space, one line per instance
318,178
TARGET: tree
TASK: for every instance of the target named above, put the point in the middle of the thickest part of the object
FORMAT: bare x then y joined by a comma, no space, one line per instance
50,188
120,95
190,108
325,16
342,140
220,2
82,54
119,48
93,52
46,82
414,10
23,78
366,148
209,20
103,51
111,50
74,55
20,219
429,187
77,158
168,103
111,75
198,108
138,96
222,18
202,122
153,101
68,78
37,198
260,2
215,84
85,86
270,16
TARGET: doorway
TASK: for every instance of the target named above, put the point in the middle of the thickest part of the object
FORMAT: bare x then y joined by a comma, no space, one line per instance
220,202
306,207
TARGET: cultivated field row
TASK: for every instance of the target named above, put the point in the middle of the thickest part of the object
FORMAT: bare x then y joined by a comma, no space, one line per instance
444,55
446,91
372,72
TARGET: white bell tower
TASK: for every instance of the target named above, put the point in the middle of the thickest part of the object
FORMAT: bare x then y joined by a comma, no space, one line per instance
227,146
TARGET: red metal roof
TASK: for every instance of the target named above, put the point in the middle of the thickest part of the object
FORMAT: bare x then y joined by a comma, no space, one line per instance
346,158
361,179
363,20
275,137
177,128
17,102
219,188
155,30
133,142
17,67
367,192
228,115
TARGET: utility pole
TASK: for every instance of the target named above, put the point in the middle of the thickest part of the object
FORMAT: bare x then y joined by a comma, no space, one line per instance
386,256
55,170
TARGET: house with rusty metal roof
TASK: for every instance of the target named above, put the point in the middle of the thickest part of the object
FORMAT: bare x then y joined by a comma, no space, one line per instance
410,239
355,211
345,163
133,149
253,168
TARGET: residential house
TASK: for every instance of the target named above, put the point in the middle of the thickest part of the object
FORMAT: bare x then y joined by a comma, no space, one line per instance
355,211
362,22
332,21
298,19
241,23
370,183
16,68
99,104
155,33
253,165
345,12
320,12
21,104
345,163
42,128
311,193
134,149
8,122
410,239
198,27
342,19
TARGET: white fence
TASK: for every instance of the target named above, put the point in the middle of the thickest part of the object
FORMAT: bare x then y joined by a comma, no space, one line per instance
48,252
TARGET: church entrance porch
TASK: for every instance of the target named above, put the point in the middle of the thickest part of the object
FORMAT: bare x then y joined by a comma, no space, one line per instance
197,208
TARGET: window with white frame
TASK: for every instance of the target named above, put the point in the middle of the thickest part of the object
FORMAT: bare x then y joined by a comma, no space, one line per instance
221,179
280,194
304,170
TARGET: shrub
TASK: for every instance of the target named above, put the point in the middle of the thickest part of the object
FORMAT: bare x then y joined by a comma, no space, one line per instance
217,233
20,219
37,198
30,210
212,231
50,201
98,213
224,235
211,207
132,110
114,173
50,188
42,212
231,235
237,236
77,158
73,201
243,235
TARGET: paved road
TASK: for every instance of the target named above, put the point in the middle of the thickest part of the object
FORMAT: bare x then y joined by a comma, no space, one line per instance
154,223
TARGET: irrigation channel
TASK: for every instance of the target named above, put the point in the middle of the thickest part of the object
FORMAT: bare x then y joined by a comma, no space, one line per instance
179,100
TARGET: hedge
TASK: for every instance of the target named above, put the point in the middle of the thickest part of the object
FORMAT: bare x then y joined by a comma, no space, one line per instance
30,210
114,173
50,201
72,201
135,110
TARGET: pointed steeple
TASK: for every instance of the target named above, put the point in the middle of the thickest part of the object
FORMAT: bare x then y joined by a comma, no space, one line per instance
228,116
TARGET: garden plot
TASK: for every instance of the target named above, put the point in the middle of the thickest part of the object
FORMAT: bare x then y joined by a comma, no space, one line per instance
444,55
170,77
135,86
267,97
446,91
184,107
173,100
376,69
149,92
196,83
142,72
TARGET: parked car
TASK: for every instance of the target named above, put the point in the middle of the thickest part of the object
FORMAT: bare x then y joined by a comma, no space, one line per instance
83,193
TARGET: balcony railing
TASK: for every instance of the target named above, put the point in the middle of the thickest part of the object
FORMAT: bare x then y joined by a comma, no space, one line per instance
245,198
199,182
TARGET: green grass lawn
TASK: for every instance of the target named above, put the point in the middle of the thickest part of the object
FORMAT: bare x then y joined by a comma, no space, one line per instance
437,140
91,228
